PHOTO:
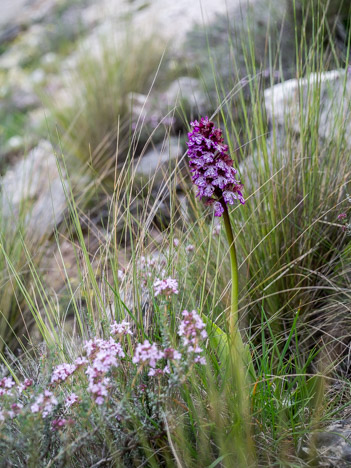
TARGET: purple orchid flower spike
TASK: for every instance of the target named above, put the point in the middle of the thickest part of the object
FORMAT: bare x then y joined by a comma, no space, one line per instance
212,167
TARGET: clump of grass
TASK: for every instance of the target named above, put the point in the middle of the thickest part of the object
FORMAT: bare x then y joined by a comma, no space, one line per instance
17,257
97,123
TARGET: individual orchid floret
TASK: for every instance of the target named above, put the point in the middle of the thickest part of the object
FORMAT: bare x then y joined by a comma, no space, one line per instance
166,287
212,167
146,353
176,242
121,329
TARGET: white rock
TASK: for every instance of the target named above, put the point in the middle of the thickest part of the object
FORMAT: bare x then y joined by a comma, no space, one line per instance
189,89
35,181
15,142
150,165
287,102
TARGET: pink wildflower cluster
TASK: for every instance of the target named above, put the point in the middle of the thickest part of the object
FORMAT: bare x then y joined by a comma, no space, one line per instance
149,267
192,330
62,372
12,412
15,409
120,329
101,357
60,422
44,403
166,287
148,354
346,226
103,354
25,385
212,167
71,400
6,385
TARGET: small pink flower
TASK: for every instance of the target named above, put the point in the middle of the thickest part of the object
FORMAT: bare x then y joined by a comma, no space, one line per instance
155,372
172,354
60,422
80,361
166,287
192,330
342,216
189,248
7,382
176,242
122,328
35,408
147,353
44,403
62,372
71,400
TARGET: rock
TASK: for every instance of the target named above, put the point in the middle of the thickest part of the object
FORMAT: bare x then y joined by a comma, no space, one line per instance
333,91
34,185
158,108
24,99
15,143
25,48
331,448
10,33
186,89
10,9
155,163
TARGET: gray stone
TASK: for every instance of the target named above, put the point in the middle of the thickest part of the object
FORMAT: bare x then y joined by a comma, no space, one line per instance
287,102
34,185
24,99
155,163
186,89
331,448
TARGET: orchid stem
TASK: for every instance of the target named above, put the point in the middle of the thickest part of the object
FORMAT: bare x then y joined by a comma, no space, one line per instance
234,307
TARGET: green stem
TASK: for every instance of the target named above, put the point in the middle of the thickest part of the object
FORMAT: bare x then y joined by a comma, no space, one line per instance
234,307
239,360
